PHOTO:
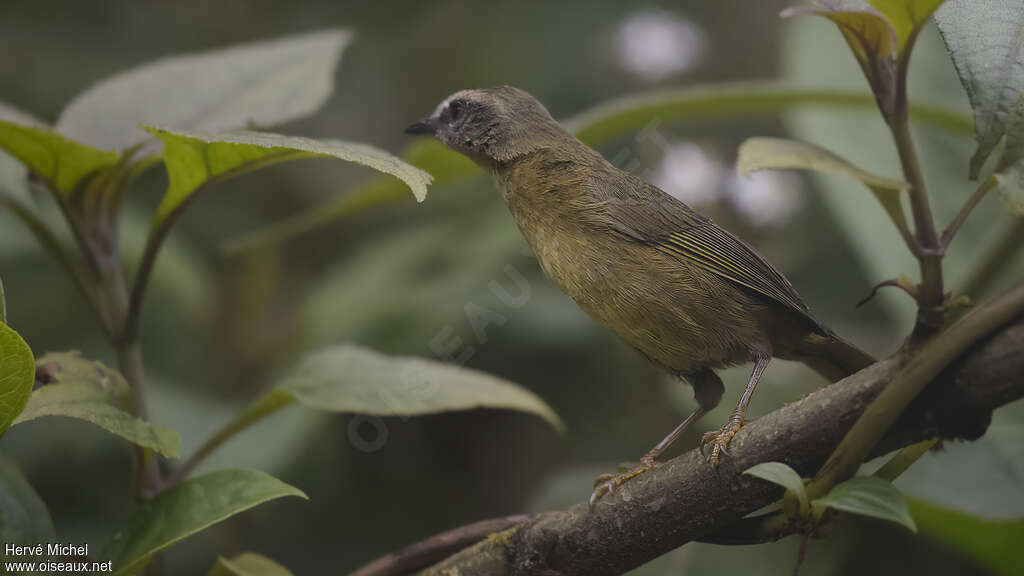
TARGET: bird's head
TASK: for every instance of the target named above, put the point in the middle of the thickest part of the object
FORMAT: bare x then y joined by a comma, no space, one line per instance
491,125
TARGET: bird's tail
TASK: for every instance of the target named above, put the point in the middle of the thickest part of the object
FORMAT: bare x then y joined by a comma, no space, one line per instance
831,356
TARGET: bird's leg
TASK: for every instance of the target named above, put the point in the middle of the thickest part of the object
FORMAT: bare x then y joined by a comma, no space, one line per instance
719,439
707,389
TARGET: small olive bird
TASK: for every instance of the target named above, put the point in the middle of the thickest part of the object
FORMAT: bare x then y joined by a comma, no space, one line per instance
688,295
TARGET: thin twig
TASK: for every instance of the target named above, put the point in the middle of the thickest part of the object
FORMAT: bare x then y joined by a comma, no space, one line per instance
965,211
437,547
902,283
801,553
930,313
79,276
263,406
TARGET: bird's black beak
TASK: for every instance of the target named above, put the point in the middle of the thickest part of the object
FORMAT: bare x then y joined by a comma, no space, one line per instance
421,127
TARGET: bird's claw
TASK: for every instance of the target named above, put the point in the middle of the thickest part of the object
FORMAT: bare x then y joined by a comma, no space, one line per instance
719,441
607,483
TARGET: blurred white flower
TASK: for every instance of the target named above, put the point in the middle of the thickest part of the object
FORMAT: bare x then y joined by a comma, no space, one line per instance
656,44
765,198
689,174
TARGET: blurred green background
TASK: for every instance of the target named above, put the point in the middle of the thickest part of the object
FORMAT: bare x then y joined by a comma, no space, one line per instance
399,278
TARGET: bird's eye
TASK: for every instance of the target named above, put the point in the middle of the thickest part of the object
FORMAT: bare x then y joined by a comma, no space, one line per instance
455,109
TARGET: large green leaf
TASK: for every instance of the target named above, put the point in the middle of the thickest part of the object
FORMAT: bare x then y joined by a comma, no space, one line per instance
193,159
24,519
17,374
995,545
248,564
90,391
783,475
258,84
188,508
778,153
51,156
353,379
987,47
868,496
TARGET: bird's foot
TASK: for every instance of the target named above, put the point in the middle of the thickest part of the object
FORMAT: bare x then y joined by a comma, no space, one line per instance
719,440
607,483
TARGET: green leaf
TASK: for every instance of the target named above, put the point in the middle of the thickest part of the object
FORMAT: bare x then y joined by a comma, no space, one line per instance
17,374
595,127
248,564
90,391
193,159
14,174
868,496
3,304
906,17
873,42
53,157
258,84
987,47
993,544
24,519
188,508
777,153
783,475
353,379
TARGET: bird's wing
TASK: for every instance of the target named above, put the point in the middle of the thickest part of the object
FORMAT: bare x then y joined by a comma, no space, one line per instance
649,215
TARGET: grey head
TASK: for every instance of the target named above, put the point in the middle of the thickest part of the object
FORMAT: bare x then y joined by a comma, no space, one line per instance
491,125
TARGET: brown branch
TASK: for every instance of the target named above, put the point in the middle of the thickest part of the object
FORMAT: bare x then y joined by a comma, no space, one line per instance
437,547
685,499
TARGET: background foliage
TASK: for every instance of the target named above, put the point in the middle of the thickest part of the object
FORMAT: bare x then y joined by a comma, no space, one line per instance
226,320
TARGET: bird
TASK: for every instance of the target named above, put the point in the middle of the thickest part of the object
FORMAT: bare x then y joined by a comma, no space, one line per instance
687,294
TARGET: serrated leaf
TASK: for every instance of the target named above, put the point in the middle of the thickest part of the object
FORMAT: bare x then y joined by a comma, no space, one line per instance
248,564
257,84
24,519
53,157
193,159
779,154
88,390
994,544
987,47
868,496
17,374
188,508
783,475
353,379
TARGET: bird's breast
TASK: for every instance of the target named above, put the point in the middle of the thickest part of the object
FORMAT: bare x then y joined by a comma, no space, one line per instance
677,315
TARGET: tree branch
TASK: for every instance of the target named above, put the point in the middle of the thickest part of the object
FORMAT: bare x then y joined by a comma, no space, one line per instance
685,499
